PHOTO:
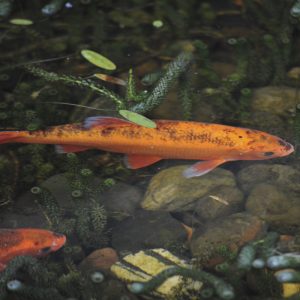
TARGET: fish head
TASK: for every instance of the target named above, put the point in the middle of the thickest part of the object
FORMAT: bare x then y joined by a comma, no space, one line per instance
41,242
265,146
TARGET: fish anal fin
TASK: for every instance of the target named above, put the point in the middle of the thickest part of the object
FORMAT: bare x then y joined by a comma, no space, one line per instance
136,161
91,122
70,148
202,167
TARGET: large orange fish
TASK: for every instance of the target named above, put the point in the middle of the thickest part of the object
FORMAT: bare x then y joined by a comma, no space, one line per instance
27,241
212,143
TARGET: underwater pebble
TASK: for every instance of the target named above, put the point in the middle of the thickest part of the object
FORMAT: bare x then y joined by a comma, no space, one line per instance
147,230
258,263
100,259
225,236
170,191
97,277
14,285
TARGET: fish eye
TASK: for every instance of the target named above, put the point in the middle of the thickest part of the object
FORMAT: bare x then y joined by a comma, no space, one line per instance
45,250
268,153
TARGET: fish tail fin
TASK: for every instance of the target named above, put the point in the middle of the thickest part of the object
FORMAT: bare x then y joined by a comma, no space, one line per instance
9,136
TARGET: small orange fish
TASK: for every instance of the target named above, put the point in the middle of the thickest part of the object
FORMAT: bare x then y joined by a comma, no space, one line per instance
27,241
214,144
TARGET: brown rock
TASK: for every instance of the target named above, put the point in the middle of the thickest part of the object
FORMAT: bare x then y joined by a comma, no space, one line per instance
277,100
221,202
283,176
225,237
169,190
101,259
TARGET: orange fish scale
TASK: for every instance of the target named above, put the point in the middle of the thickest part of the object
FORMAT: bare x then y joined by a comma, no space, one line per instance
186,140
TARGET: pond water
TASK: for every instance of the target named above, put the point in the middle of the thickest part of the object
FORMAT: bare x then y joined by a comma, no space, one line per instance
149,150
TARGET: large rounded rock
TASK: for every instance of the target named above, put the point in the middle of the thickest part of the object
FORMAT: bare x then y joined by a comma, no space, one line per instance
283,176
121,200
221,202
146,230
221,238
276,100
274,205
170,191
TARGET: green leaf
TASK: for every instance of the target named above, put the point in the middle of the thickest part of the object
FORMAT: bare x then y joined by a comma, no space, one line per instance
22,22
137,118
98,60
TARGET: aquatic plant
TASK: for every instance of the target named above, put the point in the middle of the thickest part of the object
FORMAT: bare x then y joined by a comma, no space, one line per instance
146,102
279,23
39,275
222,289
87,218
5,7
77,81
49,206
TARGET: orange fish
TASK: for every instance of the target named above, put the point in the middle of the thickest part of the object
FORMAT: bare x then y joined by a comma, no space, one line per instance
214,144
27,241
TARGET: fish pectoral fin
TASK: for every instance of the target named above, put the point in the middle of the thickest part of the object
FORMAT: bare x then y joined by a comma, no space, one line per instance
202,168
70,148
136,161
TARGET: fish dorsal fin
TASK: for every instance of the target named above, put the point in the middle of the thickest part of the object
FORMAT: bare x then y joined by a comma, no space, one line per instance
91,122
136,161
202,168
70,148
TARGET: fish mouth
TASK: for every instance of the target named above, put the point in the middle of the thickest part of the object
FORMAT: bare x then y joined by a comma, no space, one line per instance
289,148
286,148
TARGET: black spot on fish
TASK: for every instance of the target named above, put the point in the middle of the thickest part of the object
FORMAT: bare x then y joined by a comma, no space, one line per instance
240,137
282,143
268,153
263,137
107,131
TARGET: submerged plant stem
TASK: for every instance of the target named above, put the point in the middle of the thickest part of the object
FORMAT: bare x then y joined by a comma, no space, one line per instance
175,69
77,81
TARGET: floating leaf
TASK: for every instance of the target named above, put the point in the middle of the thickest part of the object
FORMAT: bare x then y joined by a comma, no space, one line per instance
110,79
98,60
137,118
22,22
